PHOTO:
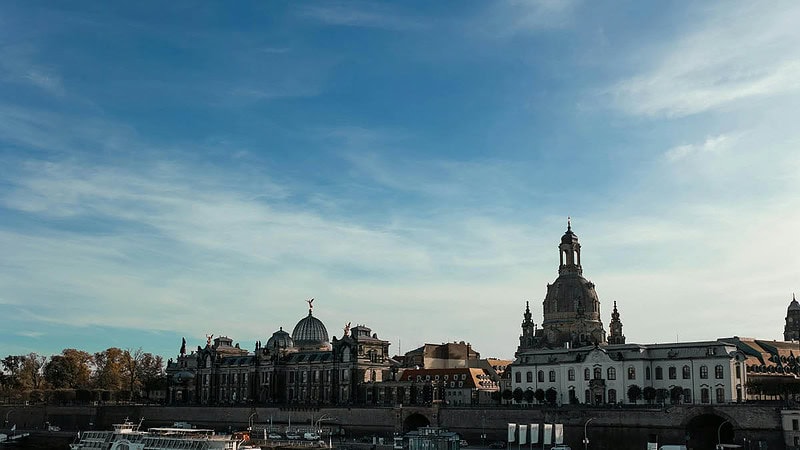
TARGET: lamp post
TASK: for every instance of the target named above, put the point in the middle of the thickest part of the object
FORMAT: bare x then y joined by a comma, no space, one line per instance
585,436
7,413
250,421
719,431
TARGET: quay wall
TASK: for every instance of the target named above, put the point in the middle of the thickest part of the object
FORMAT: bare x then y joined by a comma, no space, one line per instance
625,428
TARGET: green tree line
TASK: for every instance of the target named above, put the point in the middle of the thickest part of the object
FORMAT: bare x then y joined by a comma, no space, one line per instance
78,376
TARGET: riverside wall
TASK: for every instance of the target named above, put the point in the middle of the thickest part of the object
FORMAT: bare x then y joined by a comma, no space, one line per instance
627,428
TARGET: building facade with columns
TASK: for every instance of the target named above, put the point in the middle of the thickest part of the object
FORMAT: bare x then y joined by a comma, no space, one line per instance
304,368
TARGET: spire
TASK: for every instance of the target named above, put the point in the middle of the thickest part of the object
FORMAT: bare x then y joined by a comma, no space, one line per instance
527,339
615,327
527,314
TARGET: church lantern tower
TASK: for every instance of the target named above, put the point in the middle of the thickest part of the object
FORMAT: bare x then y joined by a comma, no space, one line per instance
615,328
791,331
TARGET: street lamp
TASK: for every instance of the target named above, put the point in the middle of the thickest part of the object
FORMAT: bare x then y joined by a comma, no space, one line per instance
7,413
585,437
250,421
719,430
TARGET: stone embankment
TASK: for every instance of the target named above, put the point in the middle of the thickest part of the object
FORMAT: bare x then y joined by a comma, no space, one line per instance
626,428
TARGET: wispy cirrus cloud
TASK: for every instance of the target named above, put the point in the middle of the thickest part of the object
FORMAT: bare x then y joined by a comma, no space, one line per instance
363,15
505,19
738,51
18,65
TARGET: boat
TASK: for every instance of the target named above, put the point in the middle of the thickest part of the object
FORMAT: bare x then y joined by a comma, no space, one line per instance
129,436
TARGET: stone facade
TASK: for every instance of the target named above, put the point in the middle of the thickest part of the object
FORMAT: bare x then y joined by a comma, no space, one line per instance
301,369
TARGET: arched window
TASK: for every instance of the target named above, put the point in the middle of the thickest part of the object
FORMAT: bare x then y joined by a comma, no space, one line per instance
720,395
659,373
718,372
552,376
704,397
646,373
631,373
687,373
687,396
529,377
588,396
571,374
587,374
612,374
673,373
703,372
518,377
540,376
612,396
598,373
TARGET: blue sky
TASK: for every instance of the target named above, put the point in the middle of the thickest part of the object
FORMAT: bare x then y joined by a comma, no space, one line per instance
189,168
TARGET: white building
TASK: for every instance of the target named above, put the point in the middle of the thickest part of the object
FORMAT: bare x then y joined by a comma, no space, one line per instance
689,372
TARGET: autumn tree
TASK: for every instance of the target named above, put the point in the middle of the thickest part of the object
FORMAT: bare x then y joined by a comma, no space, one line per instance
131,367
31,374
71,369
109,369
141,370
151,372
12,366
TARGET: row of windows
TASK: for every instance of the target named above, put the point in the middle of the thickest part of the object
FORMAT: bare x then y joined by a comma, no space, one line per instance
705,395
611,373
463,376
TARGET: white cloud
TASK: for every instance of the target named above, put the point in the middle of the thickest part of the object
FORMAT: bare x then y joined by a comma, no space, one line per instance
741,51
712,144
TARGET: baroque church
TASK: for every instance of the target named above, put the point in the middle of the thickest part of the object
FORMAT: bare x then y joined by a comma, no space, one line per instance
571,307
570,359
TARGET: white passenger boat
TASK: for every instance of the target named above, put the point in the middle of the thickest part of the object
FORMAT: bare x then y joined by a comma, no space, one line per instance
128,436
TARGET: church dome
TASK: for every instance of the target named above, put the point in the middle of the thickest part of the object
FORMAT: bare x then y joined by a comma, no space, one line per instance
572,294
310,332
569,237
280,340
794,305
